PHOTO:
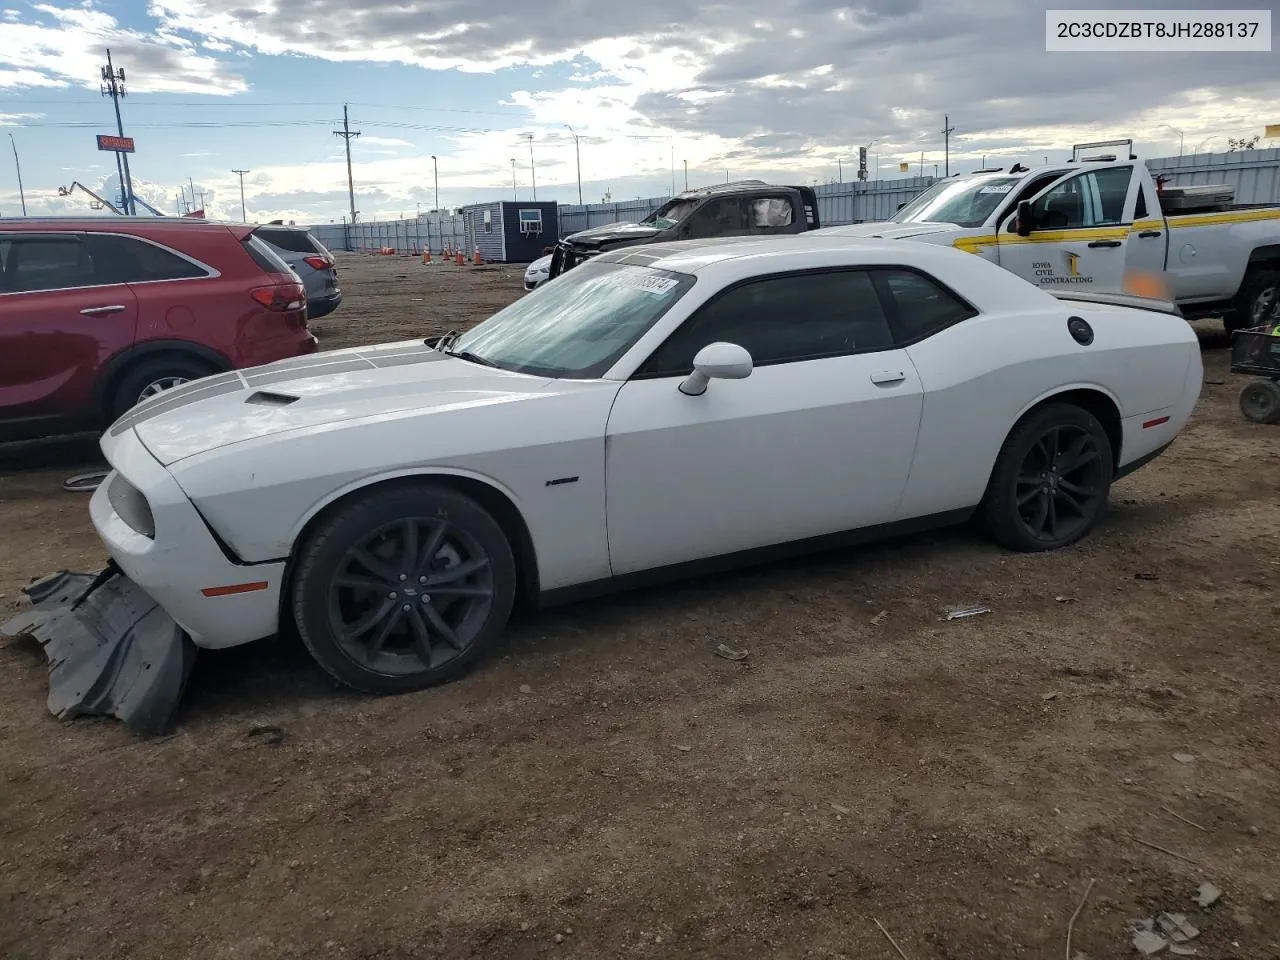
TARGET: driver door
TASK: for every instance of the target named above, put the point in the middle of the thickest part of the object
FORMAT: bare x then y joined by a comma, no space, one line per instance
817,440
718,217
1078,240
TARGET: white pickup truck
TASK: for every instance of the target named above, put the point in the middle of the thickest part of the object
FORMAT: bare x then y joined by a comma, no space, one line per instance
1105,226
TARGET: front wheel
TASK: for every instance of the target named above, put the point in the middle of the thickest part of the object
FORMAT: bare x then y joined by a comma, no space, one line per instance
403,588
1051,480
1257,303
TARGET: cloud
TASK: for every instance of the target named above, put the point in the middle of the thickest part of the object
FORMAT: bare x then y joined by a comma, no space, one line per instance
65,49
384,141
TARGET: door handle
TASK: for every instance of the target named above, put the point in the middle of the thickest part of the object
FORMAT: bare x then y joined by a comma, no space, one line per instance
1105,243
1149,233
887,378
102,311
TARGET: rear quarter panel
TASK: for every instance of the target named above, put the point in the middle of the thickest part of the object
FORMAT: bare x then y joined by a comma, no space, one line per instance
1209,252
981,376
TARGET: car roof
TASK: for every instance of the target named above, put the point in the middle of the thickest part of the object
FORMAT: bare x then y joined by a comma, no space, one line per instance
115,223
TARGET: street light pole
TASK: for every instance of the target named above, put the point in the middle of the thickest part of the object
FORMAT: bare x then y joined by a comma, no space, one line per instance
18,166
686,175
514,194
577,156
435,170
244,213
533,170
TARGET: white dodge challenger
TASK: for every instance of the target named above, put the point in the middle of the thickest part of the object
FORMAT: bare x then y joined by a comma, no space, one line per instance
657,411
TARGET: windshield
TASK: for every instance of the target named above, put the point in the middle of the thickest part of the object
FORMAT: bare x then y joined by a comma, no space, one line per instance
966,203
671,213
578,325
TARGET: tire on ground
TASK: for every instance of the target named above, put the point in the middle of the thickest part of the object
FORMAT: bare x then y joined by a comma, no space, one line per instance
999,515
318,560
1260,401
1256,282
128,388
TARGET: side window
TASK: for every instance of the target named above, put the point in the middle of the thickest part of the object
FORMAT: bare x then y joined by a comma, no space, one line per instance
770,215
781,319
1092,199
1140,210
920,306
721,217
46,262
295,241
130,260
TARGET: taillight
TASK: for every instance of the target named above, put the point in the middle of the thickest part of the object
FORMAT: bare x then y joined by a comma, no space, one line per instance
280,297
317,263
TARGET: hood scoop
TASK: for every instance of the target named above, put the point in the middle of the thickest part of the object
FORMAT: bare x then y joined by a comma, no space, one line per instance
268,398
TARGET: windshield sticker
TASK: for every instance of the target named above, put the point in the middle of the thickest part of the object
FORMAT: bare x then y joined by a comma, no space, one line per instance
997,188
650,284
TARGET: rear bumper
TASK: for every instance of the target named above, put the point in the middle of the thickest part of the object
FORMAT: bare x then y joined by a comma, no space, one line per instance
184,560
323,306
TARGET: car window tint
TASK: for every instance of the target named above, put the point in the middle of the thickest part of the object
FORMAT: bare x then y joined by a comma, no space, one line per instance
721,217
46,263
130,260
780,319
920,306
1092,199
295,241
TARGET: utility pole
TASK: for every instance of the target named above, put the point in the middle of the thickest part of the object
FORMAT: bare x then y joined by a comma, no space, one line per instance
577,155
435,170
839,169
686,175
113,87
244,213
533,172
673,169
514,194
346,133
922,163
18,166
947,131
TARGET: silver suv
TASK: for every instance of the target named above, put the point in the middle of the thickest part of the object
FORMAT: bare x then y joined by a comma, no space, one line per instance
310,261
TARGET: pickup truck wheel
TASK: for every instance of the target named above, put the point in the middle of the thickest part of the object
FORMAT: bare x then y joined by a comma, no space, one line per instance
1260,401
403,589
1258,302
1050,482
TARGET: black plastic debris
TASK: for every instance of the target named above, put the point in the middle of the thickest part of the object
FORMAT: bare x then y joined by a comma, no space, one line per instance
112,650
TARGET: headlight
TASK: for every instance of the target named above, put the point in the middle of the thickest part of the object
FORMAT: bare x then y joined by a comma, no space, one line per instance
130,505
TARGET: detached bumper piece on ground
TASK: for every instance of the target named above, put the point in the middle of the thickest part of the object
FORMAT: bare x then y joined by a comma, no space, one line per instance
112,651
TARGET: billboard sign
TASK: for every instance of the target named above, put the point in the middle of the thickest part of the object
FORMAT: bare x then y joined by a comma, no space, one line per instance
113,144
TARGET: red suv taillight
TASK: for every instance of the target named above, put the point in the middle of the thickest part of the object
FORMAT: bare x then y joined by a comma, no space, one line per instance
280,297
318,263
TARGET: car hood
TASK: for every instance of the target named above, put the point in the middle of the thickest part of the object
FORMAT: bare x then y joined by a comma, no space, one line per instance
613,233
541,265
888,230
315,391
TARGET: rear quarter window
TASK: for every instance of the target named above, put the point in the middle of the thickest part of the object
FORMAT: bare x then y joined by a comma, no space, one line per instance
295,241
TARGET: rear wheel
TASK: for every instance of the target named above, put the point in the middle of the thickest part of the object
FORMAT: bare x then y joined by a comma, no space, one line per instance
152,376
1258,302
1051,480
1260,401
404,588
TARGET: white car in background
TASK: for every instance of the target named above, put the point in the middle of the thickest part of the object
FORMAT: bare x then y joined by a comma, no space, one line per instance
537,273
656,411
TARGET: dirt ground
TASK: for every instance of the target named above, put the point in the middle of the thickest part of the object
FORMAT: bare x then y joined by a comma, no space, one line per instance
606,786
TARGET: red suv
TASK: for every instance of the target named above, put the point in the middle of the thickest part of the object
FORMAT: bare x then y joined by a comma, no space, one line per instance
97,314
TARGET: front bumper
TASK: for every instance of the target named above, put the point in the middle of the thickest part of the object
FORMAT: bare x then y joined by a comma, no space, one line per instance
112,651
217,600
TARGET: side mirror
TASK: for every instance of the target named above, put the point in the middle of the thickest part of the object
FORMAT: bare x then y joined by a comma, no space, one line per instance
1025,218
716,361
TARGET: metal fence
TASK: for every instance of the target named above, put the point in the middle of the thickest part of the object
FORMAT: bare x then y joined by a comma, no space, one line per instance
1254,173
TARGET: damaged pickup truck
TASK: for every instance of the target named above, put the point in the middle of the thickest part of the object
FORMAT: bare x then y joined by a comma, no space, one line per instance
745,208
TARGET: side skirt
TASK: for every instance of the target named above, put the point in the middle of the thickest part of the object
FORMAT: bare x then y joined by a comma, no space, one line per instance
759,555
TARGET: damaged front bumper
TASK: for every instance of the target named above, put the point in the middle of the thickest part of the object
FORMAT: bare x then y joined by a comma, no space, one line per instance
112,650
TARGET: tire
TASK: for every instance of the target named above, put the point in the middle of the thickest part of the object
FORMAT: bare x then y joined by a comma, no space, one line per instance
369,622
1260,401
1257,299
173,369
1029,506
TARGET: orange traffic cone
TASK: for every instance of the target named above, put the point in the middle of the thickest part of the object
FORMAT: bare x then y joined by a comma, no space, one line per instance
459,260
426,256
475,259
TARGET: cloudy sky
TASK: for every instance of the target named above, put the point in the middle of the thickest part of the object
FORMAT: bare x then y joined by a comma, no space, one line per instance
780,89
